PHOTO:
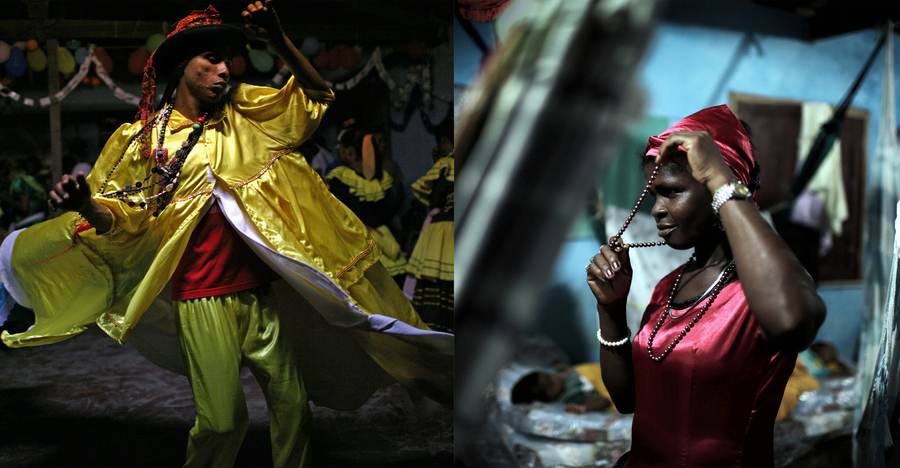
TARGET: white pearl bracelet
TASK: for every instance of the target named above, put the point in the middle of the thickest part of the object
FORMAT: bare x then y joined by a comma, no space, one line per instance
613,344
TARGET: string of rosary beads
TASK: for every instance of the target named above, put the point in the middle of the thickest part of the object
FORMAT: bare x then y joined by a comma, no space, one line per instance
617,239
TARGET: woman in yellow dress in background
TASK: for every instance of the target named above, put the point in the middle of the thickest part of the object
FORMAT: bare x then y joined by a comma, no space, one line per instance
370,192
431,262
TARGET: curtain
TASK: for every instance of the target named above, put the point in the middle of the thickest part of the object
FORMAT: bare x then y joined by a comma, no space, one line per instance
823,203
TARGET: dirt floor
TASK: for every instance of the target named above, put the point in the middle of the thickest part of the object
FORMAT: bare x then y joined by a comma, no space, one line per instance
89,401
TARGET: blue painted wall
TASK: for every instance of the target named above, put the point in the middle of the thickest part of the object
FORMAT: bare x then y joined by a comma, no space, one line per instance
689,67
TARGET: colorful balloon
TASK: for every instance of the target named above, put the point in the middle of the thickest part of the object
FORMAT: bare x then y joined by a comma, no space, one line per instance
334,59
4,51
81,54
138,60
154,41
238,65
261,60
16,66
320,60
311,46
345,56
37,60
65,62
104,59
31,45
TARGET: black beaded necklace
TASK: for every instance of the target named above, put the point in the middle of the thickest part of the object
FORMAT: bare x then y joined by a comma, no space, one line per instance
720,283
166,169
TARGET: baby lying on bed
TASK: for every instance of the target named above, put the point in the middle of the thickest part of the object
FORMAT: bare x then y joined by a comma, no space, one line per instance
579,387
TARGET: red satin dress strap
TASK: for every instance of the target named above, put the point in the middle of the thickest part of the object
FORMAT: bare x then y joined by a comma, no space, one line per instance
713,400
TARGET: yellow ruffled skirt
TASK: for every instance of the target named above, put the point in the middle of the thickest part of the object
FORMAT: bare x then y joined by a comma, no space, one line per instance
432,258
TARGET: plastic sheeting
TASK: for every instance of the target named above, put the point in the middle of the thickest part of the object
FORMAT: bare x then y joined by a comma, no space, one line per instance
882,195
544,434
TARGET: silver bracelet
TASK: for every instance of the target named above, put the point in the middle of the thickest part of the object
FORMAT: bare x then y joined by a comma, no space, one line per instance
613,344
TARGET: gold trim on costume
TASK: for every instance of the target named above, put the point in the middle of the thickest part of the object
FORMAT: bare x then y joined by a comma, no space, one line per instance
357,259
114,321
238,184
264,169
193,195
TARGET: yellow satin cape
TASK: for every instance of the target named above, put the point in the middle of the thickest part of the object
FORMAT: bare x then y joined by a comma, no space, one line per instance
245,159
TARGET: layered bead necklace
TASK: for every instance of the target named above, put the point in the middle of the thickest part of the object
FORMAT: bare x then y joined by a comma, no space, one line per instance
716,288
166,169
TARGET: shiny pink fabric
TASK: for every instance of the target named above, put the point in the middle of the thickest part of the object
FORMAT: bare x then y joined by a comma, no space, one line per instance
726,130
713,400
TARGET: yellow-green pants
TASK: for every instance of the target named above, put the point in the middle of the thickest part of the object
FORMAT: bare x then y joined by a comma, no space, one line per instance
220,334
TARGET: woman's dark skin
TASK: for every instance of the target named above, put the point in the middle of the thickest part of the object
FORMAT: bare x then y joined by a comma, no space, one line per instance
781,294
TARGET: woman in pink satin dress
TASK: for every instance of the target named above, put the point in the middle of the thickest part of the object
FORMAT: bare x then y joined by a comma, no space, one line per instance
705,373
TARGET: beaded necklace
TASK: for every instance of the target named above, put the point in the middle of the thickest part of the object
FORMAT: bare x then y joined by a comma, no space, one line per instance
720,283
166,169
696,300
617,239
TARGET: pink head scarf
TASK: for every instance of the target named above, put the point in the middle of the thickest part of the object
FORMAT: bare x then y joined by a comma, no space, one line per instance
730,137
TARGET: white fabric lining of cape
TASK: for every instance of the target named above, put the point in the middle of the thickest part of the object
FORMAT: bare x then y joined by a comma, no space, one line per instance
7,276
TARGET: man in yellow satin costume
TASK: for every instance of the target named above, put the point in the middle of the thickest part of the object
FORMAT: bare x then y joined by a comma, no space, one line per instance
207,192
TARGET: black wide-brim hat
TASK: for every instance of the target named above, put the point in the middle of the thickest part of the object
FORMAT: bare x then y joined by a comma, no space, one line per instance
199,32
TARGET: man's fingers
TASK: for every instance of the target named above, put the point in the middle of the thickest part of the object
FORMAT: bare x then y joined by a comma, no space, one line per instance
55,198
69,182
82,183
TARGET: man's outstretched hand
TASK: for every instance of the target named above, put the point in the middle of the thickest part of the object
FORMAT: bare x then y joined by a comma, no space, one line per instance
70,194
74,194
